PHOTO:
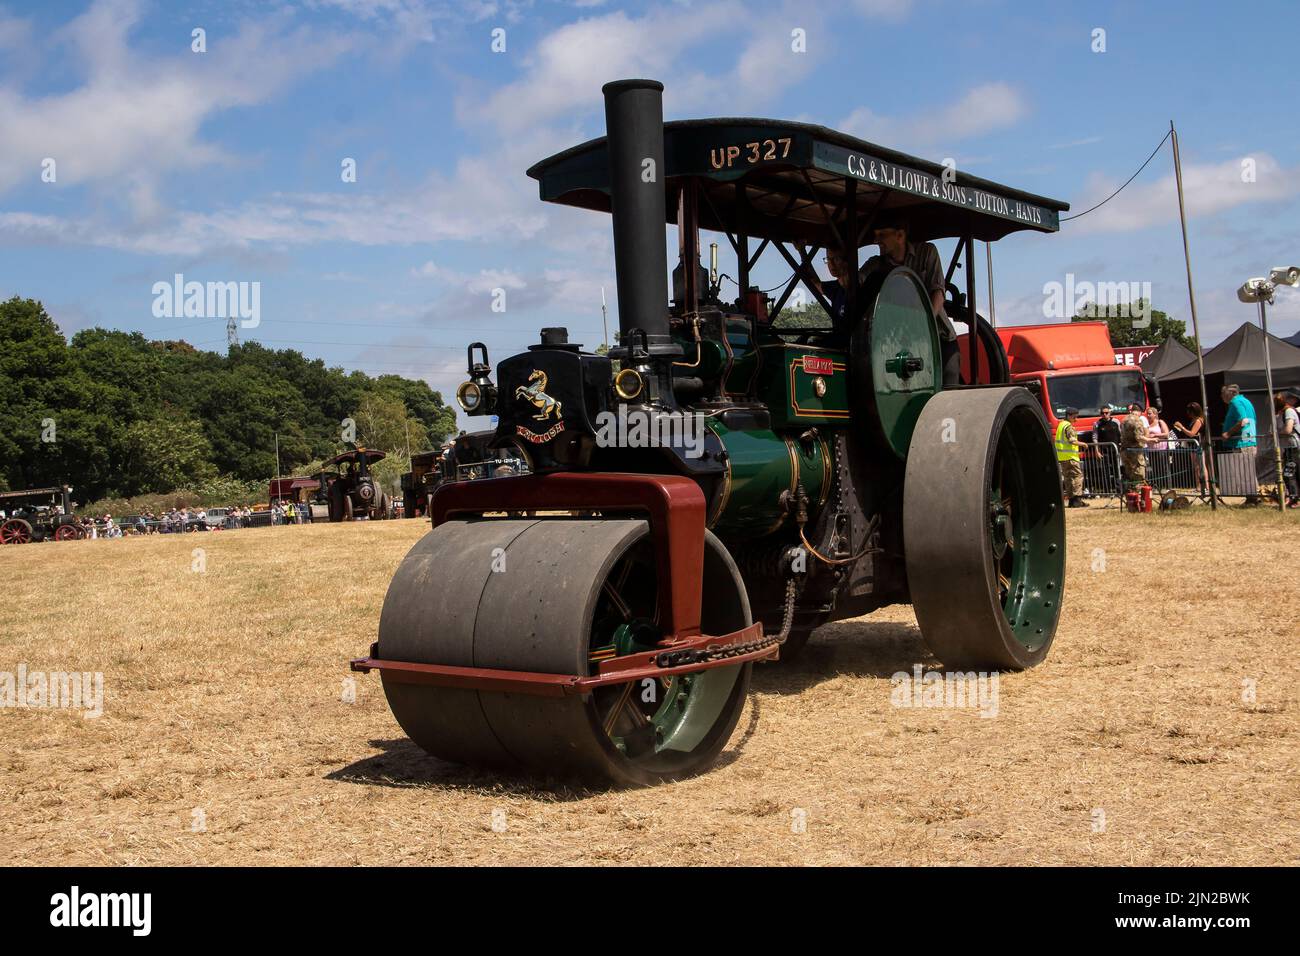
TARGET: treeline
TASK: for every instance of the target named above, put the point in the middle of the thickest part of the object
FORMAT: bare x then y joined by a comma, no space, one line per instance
117,415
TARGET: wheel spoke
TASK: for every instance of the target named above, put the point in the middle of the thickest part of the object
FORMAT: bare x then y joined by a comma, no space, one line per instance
617,600
612,717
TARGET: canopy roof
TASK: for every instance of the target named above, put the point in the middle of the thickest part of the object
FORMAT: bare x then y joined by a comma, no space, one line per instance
33,492
787,181
369,455
1171,355
1240,359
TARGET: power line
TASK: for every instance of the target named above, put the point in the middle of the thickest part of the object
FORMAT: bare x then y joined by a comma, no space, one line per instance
365,345
1126,182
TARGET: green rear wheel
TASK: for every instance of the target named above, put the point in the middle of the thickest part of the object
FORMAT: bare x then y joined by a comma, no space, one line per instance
983,528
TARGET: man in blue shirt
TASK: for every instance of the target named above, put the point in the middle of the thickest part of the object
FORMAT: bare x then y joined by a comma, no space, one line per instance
1239,437
1239,423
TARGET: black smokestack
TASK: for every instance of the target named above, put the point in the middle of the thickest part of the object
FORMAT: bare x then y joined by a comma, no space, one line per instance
634,124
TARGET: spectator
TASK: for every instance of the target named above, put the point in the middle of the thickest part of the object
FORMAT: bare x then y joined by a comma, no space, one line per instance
111,530
1134,440
1157,429
1106,429
1239,423
1195,422
1239,432
1288,437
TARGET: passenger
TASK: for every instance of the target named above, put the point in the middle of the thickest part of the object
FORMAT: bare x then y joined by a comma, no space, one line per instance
836,292
923,259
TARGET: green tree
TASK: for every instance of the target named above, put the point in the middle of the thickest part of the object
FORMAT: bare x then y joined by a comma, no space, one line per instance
168,452
809,316
41,393
1121,321
115,414
422,404
384,423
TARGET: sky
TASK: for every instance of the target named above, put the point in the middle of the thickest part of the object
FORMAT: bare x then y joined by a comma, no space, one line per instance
133,149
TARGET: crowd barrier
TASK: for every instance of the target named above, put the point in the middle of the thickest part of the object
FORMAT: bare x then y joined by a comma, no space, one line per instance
1175,466
1101,470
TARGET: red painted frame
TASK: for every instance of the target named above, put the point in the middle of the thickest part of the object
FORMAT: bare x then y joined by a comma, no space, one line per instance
675,507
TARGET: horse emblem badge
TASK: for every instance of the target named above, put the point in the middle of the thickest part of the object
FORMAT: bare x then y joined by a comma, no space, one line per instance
535,394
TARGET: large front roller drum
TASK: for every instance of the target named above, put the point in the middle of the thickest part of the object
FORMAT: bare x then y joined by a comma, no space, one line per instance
556,596
983,529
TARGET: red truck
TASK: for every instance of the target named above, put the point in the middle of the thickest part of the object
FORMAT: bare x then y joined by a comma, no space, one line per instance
1074,366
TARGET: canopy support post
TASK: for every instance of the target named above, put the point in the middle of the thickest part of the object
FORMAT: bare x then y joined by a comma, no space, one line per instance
988,256
851,229
971,315
801,270
688,245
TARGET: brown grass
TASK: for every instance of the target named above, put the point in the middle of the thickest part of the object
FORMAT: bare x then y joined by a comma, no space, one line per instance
223,694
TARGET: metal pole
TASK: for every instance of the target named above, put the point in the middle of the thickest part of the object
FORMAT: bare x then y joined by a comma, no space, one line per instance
1207,449
604,316
993,312
1268,380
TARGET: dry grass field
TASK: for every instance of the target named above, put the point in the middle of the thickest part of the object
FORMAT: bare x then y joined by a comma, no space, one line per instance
1133,744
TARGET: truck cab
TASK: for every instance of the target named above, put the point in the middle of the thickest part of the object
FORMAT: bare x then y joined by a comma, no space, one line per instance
1068,365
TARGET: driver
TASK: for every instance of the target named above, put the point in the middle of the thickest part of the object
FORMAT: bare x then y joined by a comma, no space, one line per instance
923,259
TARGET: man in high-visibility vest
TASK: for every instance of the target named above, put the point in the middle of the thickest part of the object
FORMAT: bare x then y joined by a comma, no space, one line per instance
1067,456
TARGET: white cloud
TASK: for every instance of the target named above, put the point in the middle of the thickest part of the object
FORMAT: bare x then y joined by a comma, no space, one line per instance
485,281
1086,141
485,198
417,21
982,110
565,73
562,77
894,10
135,118
1207,188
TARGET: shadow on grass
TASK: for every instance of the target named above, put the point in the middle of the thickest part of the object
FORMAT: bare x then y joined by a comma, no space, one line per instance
847,648
404,764
853,648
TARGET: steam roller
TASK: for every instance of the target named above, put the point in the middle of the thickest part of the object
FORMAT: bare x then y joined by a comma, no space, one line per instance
639,528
